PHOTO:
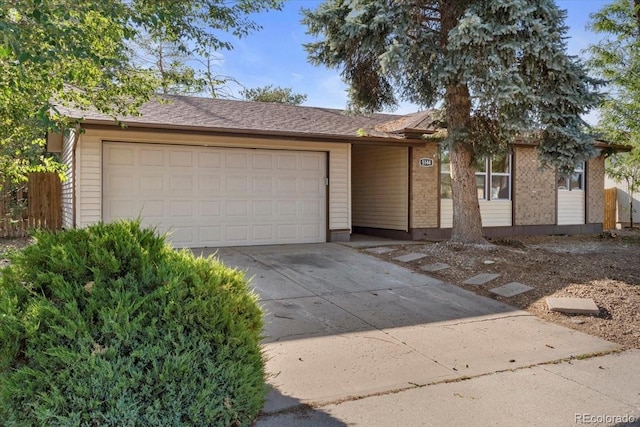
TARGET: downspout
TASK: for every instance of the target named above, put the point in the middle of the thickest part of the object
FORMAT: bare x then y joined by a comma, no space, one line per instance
74,144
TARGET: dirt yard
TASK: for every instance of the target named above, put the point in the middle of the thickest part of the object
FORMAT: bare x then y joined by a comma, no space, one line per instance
604,267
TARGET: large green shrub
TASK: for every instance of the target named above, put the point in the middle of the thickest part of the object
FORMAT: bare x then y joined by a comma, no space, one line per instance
108,326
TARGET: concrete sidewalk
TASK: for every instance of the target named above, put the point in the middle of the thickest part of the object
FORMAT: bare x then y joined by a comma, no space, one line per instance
595,391
367,342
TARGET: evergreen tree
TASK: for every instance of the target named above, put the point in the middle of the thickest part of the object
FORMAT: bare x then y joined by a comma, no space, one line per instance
500,68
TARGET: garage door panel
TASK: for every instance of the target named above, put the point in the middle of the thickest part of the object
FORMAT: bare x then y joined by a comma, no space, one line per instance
262,185
236,184
153,183
237,160
311,231
209,183
121,183
121,156
287,232
263,233
181,236
236,208
209,208
262,161
150,208
312,163
237,234
151,157
263,208
181,183
209,160
206,196
288,184
310,185
210,235
181,159
181,208
287,162
287,208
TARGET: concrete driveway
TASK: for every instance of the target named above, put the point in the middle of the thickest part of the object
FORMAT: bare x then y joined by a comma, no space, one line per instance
341,325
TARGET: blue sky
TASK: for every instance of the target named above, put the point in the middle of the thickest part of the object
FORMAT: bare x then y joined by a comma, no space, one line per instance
275,55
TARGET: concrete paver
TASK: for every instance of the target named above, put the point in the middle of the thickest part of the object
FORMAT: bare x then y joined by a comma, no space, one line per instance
432,268
481,279
511,289
380,250
414,256
573,305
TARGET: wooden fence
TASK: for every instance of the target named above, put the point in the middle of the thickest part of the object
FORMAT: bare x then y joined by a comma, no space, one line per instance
37,204
610,208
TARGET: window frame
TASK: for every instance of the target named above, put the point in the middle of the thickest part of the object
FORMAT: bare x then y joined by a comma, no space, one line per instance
486,174
568,180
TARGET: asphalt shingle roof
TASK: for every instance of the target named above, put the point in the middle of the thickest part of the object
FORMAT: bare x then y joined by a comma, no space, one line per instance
224,114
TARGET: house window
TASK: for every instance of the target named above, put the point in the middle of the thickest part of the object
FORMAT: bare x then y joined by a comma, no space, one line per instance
573,182
493,177
445,174
500,178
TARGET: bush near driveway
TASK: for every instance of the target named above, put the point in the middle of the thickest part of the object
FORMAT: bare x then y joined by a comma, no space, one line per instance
109,326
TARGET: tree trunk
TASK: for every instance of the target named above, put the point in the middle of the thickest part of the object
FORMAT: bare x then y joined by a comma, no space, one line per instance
467,223
630,193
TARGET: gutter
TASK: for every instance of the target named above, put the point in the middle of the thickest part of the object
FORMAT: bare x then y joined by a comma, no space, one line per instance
264,134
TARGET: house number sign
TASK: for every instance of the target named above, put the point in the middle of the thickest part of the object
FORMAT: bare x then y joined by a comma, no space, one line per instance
425,162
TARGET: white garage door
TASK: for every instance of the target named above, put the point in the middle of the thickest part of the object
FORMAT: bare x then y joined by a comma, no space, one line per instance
210,197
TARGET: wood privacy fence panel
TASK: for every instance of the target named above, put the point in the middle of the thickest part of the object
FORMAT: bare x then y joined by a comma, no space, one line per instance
13,214
610,208
44,201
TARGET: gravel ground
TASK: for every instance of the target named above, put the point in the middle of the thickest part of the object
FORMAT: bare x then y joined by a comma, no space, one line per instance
603,267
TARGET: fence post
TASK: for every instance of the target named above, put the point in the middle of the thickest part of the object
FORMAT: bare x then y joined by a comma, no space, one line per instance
610,208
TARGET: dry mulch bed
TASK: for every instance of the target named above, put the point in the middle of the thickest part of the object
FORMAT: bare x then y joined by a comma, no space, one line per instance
603,267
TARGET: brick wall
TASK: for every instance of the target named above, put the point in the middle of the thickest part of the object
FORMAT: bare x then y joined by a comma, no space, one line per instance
595,190
534,189
424,188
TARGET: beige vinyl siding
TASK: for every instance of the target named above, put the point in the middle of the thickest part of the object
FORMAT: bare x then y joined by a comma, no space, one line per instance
570,207
380,185
88,180
67,184
339,189
495,213
89,166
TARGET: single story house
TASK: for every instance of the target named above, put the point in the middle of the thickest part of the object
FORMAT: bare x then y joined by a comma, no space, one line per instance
215,172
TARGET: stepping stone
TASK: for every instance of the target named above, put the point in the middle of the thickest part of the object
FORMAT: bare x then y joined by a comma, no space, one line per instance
432,268
511,289
380,250
410,257
573,305
481,279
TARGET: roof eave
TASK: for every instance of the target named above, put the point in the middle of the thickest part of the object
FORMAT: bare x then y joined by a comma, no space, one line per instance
254,132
